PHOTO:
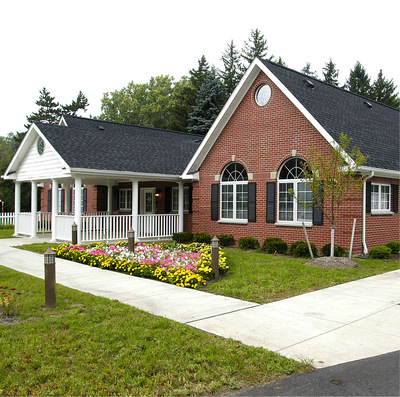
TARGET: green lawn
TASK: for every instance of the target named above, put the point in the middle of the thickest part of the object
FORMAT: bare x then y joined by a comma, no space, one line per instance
264,278
90,345
6,231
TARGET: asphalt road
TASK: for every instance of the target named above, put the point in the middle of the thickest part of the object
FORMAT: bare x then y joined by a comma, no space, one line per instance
375,376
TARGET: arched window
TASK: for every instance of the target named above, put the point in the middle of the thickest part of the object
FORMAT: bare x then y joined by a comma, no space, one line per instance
295,207
234,193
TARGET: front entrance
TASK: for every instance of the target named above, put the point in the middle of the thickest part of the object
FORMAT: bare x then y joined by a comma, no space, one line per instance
147,200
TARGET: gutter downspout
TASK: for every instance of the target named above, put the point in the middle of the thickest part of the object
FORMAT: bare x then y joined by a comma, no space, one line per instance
364,217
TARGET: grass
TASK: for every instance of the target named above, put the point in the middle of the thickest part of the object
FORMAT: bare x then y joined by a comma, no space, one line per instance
90,345
6,231
263,278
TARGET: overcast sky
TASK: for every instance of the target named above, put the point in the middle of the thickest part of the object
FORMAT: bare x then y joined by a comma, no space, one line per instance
100,46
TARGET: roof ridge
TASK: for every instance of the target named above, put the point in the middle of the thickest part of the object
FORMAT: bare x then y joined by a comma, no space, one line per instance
134,125
327,84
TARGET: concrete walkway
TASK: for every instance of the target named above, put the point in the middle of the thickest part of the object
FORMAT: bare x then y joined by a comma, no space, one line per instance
336,325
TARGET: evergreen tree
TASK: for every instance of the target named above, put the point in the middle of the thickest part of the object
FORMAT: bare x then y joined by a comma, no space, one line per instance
255,47
281,62
81,103
383,90
359,81
49,110
197,76
330,73
232,72
307,70
210,99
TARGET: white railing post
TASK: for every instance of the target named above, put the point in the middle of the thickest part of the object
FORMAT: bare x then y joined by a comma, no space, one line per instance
34,220
17,206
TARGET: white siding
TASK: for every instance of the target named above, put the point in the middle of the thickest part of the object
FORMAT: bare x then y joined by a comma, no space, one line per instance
34,166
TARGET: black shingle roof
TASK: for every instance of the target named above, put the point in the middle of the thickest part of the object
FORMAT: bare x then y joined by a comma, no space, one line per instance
375,130
102,145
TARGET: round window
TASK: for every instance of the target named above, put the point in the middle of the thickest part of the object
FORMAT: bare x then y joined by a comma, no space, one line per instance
263,95
40,146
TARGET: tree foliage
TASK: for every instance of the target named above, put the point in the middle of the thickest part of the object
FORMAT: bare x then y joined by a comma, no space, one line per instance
307,70
359,81
232,72
384,91
330,73
255,47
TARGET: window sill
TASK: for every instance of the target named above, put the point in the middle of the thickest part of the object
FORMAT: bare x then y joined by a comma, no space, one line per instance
125,211
385,213
293,224
234,221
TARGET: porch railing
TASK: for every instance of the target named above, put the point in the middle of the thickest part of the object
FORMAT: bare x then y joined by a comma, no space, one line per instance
7,218
157,225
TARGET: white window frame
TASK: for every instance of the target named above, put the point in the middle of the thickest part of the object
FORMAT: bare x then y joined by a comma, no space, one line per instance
235,185
294,200
124,199
175,200
378,196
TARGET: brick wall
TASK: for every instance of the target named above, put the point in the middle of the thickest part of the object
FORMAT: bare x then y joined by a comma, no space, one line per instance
262,138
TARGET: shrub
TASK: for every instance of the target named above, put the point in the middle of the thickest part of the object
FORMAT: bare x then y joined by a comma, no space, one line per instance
380,252
394,246
337,250
299,249
226,239
246,243
183,237
202,238
274,245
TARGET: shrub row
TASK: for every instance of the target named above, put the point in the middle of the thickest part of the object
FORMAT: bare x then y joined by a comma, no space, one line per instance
384,251
225,240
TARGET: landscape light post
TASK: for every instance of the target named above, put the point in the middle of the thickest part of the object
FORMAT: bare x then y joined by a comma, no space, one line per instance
131,240
74,233
215,257
50,277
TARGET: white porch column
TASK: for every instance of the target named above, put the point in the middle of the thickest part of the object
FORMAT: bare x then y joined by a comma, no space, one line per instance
135,206
34,219
78,208
54,208
109,198
17,206
180,207
67,198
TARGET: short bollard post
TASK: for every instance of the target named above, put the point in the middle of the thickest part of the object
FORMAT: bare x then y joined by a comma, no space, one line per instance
50,277
131,240
74,233
215,257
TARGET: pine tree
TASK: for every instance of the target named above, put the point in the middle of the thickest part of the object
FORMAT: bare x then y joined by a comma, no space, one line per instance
232,68
255,47
81,103
359,81
210,99
330,73
383,90
307,70
49,110
197,76
281,62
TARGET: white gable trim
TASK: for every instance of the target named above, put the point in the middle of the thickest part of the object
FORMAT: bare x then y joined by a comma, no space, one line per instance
244,85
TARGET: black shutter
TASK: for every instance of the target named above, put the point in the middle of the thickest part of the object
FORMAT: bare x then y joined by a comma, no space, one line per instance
318,216
168,200
395,198
84,200
190,199
368,198
252,202
62,200
214,201
49,200
271,188
115,198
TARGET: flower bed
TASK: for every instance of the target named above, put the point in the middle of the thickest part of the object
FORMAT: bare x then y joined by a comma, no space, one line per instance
182,265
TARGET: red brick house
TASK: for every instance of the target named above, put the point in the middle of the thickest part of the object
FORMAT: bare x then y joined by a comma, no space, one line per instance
234,181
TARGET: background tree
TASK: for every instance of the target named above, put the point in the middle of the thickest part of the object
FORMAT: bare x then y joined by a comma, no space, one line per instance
330,73
359,81
232,72
281,62
383,91
72,109
255,47
307,70
334,179
210,99
6,186
197,76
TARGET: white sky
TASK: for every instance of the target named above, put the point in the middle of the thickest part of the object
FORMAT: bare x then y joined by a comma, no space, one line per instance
100,46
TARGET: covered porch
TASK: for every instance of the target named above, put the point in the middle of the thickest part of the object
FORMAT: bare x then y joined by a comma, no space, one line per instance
130,204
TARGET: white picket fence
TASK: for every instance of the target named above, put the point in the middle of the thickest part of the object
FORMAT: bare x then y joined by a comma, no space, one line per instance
7,218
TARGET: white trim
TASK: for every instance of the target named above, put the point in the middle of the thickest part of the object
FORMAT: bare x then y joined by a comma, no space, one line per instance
293,224
122,174
236,221
380,211
380,172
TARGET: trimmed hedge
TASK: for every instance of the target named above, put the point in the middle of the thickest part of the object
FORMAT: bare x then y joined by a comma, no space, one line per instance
380,252
202,238
226,240
183,237
299,249
394,246
274,245
246,243
337,250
